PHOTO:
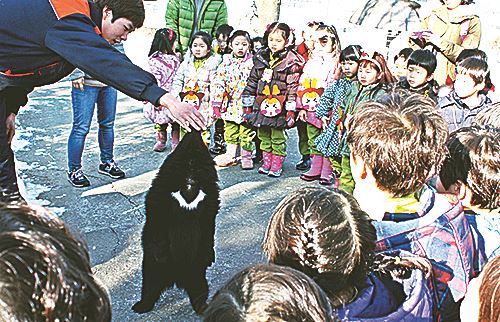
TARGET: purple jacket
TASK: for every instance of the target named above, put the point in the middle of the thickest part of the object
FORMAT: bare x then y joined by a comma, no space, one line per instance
389,300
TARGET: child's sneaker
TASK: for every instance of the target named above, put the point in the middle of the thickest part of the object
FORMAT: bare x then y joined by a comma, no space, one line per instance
78,179
111,169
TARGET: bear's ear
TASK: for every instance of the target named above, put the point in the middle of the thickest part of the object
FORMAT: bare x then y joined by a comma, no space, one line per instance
276,90
182,95
200,96
320,91
266,90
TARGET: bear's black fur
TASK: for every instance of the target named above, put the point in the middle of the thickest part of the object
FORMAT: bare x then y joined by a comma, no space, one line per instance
178,236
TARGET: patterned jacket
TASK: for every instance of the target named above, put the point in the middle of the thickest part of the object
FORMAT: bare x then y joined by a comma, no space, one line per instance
439,231
271,90
356,95
163,66
228,84
317,75
192,84
328,142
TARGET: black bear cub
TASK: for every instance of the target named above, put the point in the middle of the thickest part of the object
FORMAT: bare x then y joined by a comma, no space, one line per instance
178,236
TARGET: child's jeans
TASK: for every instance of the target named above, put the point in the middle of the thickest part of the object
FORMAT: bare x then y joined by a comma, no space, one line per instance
84,103
272,140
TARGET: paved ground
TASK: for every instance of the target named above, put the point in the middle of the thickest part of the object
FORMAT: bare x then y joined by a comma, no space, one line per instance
110,214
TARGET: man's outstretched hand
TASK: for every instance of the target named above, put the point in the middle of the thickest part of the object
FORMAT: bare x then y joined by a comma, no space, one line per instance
186,115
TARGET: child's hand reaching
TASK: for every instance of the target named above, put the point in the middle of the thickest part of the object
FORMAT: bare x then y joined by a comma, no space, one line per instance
302,115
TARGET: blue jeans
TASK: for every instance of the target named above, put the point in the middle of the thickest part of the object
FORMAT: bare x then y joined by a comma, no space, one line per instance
84,103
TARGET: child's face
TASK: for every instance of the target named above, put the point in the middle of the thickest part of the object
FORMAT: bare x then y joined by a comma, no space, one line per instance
368,75
257,45
199,48
222,41
308,35
465,86
240,46
349,68
276,41
417,76
400,68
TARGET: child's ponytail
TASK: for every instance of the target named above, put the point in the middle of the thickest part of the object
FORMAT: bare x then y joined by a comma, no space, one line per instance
399,267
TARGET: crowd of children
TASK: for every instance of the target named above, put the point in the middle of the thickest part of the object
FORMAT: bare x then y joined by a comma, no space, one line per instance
416,218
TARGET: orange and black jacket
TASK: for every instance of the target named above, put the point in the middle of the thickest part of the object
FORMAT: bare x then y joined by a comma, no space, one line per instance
38,33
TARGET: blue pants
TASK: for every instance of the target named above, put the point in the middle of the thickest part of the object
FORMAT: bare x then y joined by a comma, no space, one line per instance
84,103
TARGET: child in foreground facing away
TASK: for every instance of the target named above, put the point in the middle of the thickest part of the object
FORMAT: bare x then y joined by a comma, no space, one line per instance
270,293
163,63
269,99
45,272
328,111
323,233
319,72
472,172
461,105
420,76
397,143
226,88
373,74
192,80
481,302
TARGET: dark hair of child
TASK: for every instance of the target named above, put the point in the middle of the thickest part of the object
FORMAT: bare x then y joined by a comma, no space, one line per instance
269,293
401,137
163,41
285,31
381,67
45,272
403,53
489,301
423,58
477,69
258,39
241,33
489,117
476,53
351,53
325,234
224,30
204,36
474,160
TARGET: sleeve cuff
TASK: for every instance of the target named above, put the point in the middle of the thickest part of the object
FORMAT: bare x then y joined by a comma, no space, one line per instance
152,94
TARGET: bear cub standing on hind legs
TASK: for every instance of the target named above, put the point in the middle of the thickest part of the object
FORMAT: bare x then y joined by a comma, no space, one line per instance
178,236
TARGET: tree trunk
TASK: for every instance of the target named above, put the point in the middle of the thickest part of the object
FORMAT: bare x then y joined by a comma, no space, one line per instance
268,11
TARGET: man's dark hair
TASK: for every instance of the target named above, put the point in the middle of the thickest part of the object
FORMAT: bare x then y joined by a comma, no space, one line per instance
474,160
224,30
45,270
401,137
269,293
132,10
423,58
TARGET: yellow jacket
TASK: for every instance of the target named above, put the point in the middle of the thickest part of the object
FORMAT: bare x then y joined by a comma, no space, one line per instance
457,32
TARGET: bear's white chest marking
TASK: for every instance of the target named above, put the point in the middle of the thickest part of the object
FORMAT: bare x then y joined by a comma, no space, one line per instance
184,204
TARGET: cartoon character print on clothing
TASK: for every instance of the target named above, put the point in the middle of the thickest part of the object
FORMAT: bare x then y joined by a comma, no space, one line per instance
310,95
192,95
270,102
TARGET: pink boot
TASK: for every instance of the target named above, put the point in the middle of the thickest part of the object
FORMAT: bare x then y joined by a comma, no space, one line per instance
246,159
266,162
314,172
229,158
276,166
326,172
161,141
